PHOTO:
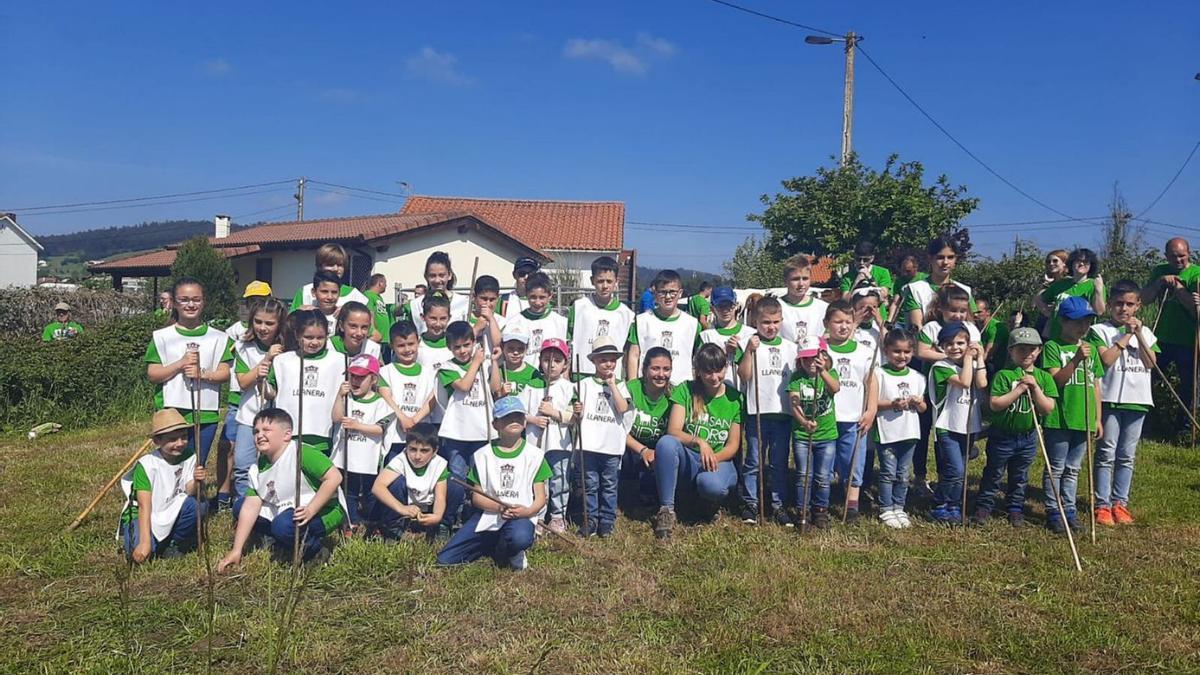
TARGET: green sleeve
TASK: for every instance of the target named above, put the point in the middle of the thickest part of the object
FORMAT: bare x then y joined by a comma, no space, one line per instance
48,333
152,353
239,364
297,300
447,377
271,376
941,375
543,473
314,464
989,333
923,336
794,384
681,395
227,355
882,275
251,492
1051,356
1046,381
909,303
1001,383
537,380
472,477
845,282
571,323
633,336
445,476
141,481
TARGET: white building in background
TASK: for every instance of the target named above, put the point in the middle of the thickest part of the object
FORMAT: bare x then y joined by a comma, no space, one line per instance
18,254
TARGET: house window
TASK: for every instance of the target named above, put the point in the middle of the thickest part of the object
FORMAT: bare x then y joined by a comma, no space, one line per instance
262,269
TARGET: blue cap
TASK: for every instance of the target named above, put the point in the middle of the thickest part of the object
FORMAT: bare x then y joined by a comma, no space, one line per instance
723,295
506,406
1074,307
950,330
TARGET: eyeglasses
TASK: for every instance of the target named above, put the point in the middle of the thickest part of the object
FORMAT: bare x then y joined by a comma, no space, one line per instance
668,294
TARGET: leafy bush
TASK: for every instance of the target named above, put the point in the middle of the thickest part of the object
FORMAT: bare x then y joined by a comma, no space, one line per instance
26,311
95,378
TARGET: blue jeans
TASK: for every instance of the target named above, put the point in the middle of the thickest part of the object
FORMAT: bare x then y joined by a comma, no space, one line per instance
503,545
1066,449
675,464
823,453
283,531
895,461
207,433
182,534
600,473
231,424
1007,453
560,482
360,503
1181,356
921,453
950,449
1114,455
393,524
244,457
775,434
847,434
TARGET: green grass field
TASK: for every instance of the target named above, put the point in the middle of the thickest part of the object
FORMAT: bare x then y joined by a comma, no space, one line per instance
720,598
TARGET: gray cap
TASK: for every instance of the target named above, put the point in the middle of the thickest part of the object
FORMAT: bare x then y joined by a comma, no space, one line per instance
1024,336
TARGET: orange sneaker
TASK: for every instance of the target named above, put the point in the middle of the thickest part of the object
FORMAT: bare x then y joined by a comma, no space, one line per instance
1104,516
1122,515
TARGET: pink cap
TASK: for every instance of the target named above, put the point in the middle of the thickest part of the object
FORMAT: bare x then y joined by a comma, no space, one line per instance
558,344
810,346
364,364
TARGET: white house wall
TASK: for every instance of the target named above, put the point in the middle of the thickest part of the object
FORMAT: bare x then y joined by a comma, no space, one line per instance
18,260
289,270
404,260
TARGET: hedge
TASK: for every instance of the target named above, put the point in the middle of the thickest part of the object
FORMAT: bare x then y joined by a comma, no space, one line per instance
26,311
94,378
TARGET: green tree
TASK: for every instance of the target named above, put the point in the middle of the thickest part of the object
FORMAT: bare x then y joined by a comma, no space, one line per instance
197,258
753,266
1123,250
828,213
1012,280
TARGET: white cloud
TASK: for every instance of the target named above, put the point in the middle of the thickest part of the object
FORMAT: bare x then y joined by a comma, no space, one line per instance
430,64
633,60
216,67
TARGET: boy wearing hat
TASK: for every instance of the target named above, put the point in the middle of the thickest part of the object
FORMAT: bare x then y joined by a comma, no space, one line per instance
362,418
599,412
1018,393
269,508
512,474
161,507
1076,370
600,314
512,304
62,328
727,331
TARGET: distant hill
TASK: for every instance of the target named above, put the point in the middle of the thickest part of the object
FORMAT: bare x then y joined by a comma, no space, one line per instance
109,241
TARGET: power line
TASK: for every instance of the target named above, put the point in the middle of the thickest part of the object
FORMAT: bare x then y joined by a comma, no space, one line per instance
289,207
1170,182
351,194
144,199
358,189
775,18
144,204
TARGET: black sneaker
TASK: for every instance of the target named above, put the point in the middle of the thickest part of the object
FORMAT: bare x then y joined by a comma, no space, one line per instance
588,531
750,514
820,518
606,530
664,523
1016,518
1073,522
1055,524
851,516
981,516
781,518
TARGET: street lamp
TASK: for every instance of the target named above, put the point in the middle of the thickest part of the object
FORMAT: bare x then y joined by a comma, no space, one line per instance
850,40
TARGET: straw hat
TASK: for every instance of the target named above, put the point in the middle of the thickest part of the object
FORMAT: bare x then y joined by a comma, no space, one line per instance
166,421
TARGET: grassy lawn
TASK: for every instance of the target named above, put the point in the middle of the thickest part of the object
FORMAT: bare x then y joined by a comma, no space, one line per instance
720,598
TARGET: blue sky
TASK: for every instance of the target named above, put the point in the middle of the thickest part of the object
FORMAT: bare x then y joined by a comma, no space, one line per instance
684,109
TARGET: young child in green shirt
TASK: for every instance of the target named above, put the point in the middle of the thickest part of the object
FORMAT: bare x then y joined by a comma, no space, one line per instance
814,429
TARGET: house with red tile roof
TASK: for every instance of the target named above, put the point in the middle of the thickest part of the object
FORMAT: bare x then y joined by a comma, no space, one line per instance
565,236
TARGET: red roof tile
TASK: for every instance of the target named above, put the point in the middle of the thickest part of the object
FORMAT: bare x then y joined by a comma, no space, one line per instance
351,228
159,260
592,226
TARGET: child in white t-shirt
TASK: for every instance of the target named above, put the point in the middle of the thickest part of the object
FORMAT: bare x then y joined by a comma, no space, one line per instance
413,492
958,400
464,383
538,320
599,315
854,402
901,397
550,428
362,418
665,326
599,410
307,345
406,385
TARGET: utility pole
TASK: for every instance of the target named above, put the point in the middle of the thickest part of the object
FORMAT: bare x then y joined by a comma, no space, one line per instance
299,197
848,99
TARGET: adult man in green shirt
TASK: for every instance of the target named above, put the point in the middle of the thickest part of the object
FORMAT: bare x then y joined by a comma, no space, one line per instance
1175,284
699,305
62,328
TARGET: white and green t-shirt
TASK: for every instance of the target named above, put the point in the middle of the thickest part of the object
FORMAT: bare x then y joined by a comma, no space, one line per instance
560,393
715,422
816,402
1073,409
952,403
432,355
539,327
369,347
894,426
587,321
168,345
853,364
275,485
803,318
646,419
411,387
246,358
364,453
465,417
304,296
509,475
511,305
422,482
776,361
460,307
678,334
920,294
869,337
324,372
930,330
601,430
1126,383
166,481
719,337
235,332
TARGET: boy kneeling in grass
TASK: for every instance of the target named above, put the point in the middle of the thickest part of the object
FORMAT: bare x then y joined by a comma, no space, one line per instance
160,491
508,469
269,507
412,490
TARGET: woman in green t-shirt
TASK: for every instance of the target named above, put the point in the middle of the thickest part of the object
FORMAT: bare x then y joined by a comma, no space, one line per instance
704,431
649,404
1082,280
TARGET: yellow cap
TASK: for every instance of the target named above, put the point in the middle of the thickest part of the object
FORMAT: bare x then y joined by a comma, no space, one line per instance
256,289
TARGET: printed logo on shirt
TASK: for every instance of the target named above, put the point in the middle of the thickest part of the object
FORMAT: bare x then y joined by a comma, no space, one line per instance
904,388
776,360
801,330
535,341
410,393
508,479
668,339
271,496
602,328
1023,405
603,402
311,376
843,370
193,346
178,483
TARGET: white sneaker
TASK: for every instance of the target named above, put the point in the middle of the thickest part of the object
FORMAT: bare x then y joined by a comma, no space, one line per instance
519,561
557,524
890,519
902,517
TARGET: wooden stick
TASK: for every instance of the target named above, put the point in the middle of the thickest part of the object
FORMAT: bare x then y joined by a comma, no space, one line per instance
483,493
200,491
109,485
579,446
758,433
345,488
1161,302
296,559
1195,372
1174,393
808,467
858,435
1089,389
970,439
1037,425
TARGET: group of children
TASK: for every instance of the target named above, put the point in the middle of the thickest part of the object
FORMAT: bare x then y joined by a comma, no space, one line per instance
396,418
